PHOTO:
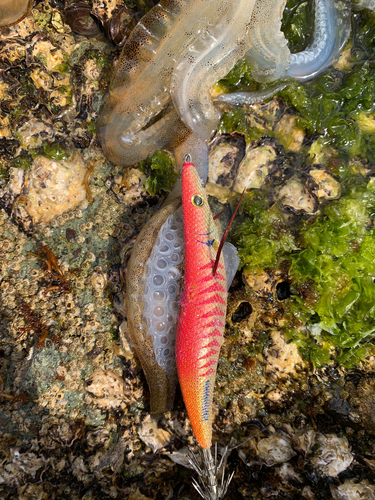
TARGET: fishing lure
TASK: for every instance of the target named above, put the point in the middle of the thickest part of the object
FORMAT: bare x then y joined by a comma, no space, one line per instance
201,320
203,307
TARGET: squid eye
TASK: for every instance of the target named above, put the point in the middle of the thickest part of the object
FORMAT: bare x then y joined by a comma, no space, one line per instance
197,200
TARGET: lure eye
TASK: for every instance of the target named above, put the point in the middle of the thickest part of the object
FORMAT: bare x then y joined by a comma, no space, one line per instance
197,200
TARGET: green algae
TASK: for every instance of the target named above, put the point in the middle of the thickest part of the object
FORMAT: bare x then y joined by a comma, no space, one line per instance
160,171
330,257
261,237
331,270
338,261
296,24
55,152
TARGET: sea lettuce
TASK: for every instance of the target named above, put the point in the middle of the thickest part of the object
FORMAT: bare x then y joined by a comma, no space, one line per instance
337,266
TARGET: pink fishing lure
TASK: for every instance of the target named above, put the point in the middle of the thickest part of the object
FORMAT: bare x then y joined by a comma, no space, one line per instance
202,315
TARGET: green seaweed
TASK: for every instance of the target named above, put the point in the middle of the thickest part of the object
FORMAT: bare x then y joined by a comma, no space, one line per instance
296,24
160,171
261,236
54,151
331,270
337,263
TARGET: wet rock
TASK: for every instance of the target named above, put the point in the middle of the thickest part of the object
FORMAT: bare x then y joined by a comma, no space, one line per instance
226,152
256,166
14,468
275,449
304,441
323,185
332,456
363,400
282,357
47,190
262,283
351,490
295,196
288,474
289,134
152,435
107,390
307,493
128,188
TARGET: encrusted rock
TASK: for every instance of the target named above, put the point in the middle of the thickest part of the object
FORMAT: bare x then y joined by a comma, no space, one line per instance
225,155
333,455
152,435
255,167
107,389
47,190
282,357
294,195
275,449
351,490
323,185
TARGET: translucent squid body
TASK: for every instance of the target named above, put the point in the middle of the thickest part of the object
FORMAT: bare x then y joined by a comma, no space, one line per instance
160,91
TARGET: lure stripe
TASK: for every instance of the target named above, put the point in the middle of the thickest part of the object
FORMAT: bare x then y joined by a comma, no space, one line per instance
214,312
209,354
201,320
212,300
210,277
210,266
216,287
209,243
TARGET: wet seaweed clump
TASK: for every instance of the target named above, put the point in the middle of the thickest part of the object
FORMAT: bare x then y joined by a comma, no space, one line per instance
333,287
161,175
329,304
262,236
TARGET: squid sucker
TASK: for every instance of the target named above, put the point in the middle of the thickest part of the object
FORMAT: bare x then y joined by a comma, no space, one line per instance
152,290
